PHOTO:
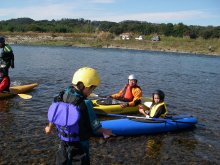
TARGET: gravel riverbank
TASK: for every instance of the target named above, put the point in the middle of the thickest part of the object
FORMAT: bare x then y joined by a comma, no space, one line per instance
180,45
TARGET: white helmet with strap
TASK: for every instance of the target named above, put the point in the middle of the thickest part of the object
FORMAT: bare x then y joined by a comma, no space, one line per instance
132,77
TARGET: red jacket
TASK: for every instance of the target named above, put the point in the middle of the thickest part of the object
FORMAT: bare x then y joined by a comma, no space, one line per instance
4,84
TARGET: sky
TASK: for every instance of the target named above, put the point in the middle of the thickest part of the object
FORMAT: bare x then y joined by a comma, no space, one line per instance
188,12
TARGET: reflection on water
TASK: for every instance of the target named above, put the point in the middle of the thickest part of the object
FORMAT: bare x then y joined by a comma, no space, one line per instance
153,148
191,84
4,105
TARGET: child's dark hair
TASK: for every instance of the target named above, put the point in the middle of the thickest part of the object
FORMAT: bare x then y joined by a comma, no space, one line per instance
160,93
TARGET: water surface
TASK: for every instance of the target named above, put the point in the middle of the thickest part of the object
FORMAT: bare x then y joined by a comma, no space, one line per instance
191,84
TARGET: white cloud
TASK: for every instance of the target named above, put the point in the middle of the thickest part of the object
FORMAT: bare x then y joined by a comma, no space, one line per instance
54,11
74,9
84,9
158,17
102,1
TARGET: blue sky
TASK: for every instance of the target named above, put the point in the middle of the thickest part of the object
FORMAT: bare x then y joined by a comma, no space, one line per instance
188,12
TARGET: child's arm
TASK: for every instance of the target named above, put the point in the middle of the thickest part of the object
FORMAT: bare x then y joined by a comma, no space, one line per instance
144,110
49,128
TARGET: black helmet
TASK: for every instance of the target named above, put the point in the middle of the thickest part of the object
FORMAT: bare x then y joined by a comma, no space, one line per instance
160,94
2,39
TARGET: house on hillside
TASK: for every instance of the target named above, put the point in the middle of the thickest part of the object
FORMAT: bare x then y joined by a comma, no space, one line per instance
155,38
140,38
125,36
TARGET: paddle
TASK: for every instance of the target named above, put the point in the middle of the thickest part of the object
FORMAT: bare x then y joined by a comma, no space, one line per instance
154,119
21,95
24,96
144,99
95,95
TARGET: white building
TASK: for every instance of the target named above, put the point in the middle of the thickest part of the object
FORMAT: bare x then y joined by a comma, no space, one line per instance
125,36
139,38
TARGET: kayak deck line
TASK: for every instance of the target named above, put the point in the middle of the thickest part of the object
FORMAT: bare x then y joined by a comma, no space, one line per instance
139,126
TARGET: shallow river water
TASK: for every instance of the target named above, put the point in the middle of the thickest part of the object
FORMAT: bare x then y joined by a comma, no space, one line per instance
191,84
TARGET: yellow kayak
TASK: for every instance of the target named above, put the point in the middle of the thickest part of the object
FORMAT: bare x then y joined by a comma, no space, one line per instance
116,109
18,90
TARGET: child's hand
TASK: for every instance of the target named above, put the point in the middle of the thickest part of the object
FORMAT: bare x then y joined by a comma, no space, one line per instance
147,116
124,105
105,136
47,129
141,107
106,132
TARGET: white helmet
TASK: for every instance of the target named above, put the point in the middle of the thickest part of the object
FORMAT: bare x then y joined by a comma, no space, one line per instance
132,77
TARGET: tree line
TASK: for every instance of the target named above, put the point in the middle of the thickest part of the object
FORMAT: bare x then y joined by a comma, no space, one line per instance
127,26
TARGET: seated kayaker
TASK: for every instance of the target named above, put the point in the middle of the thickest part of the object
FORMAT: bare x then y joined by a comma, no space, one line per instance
4,81
158,107
130,95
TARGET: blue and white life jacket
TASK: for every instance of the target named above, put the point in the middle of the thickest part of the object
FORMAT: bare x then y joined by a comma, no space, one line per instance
65,116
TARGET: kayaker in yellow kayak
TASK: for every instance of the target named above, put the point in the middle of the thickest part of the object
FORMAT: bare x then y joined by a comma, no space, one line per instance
130,95
158,107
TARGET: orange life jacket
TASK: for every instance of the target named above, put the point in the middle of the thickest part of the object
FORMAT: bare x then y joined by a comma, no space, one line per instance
128,93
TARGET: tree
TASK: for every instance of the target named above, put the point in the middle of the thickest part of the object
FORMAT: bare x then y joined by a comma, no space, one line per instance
67,25
180,29
168,29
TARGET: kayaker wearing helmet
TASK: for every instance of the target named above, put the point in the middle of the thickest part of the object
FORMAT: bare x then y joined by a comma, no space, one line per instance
4,81
7,55
74,138
158,107
131,93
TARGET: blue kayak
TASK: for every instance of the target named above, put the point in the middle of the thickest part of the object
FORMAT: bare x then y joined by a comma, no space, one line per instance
129,127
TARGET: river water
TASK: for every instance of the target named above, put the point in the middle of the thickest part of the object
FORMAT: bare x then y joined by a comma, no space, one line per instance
191,84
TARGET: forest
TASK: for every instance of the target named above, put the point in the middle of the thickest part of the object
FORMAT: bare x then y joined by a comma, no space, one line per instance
128,26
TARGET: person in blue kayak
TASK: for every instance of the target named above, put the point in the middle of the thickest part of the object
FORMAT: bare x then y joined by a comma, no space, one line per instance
4,81
72,114
130,94
7,55
158,107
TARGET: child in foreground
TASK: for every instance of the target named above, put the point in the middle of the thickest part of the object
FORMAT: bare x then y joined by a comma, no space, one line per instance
75,120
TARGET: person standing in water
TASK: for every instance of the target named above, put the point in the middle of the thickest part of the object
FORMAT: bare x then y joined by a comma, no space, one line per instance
7,56
72,114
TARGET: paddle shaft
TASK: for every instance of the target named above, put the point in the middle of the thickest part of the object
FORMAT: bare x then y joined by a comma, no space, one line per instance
95,95
154,119
126,116
138,117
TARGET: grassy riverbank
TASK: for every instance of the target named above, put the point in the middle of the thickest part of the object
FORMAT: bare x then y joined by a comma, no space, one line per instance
107,40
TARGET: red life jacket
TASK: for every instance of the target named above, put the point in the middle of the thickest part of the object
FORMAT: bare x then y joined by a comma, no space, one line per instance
4,83
127,94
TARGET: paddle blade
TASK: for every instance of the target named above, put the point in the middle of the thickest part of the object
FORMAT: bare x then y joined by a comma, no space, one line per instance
148,104
93,95
24,96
